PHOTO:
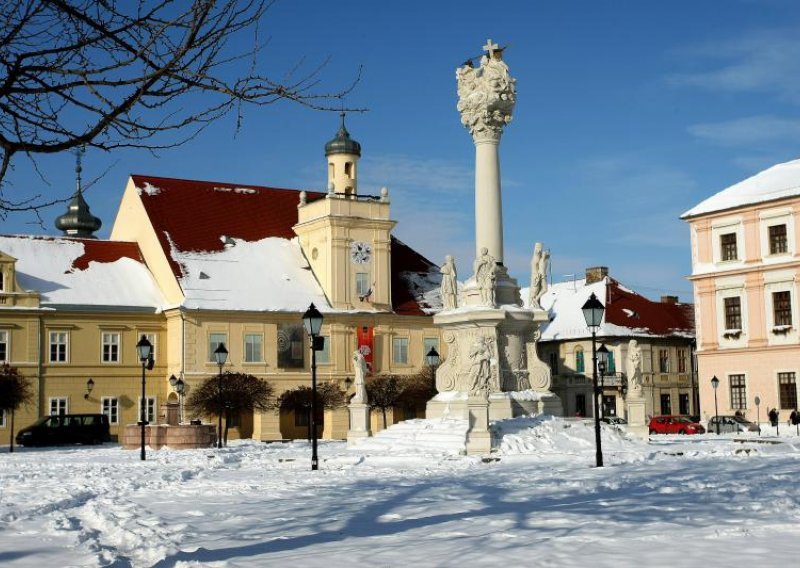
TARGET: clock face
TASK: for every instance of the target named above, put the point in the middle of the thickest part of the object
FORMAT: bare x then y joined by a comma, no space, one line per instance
360,252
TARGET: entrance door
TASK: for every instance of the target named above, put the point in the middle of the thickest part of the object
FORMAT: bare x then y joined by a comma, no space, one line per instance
609,405
666,405
580,405
683,403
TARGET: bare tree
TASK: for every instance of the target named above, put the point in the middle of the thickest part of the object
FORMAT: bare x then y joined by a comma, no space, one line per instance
385,392
15,391
233,394
112,74
298,400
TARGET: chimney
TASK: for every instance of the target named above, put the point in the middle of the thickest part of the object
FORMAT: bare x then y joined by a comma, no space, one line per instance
596,274
669,299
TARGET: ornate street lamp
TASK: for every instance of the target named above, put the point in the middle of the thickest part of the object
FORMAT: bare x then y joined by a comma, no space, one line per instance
312,321
602,365
432,357
715,385
89,388
220,356
144,349
593,314
180,387
758,413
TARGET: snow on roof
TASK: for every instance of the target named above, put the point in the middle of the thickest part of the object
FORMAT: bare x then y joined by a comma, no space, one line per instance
195,219
83,272
779,181
266,275
627,313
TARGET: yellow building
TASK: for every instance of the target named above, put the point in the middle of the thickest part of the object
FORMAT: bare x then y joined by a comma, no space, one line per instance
196,263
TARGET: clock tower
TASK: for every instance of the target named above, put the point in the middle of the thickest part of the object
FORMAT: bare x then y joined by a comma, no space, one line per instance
346,236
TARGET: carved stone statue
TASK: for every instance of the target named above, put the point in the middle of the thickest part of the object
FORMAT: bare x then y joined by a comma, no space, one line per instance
480,366
360,369
485,269
449,283
634,369
537,282
486,95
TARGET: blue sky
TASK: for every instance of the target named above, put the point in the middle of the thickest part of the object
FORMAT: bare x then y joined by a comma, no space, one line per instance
628,113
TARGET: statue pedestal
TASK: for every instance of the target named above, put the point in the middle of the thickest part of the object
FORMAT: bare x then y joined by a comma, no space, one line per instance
479,438
359,423
637,419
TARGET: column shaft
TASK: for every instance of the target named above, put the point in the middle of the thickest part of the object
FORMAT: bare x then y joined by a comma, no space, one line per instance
488,200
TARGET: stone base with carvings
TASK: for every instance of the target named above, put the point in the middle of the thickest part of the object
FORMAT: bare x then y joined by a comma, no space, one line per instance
479,437
637,418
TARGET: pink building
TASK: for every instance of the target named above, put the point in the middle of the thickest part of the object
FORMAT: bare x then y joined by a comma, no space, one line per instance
746,276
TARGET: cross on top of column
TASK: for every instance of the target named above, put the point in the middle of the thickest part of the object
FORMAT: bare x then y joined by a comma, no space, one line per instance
490,47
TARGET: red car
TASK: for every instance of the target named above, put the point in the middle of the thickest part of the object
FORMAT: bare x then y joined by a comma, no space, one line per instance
674,425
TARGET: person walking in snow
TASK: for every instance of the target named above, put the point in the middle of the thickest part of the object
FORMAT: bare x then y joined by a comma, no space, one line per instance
773,417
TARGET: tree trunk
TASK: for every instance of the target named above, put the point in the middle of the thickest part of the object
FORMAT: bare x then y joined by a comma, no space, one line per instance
383,410
11,440
227,421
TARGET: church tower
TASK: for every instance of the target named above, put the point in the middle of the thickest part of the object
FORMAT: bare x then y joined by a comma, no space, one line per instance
346,237
343,153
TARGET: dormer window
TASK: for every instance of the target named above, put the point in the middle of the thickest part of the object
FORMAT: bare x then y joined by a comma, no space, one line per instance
728,248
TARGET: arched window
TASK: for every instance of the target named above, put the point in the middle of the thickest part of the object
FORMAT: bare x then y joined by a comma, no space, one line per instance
579,364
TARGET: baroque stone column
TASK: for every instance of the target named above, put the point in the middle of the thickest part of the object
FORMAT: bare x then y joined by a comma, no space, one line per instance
486,98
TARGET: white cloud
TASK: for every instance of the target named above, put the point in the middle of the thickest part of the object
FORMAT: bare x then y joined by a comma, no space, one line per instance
747,131
764,61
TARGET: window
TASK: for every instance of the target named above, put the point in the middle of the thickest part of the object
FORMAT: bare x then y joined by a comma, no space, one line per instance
728,246
253,352
429,343
291,337
683,403
777,239
663,360
362,285
214,341
666,404
110,347
58,346
580,366
782,308
681,360
324,356
787,390
150,410
232,419
554,363
733,313
1,281
2,418
612,365
4,351
738,393
110,406
400,350
58,406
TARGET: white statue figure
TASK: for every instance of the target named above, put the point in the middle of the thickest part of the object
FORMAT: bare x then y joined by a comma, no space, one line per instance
634,368
485,269
544,263
449,283
360,368
486,95
535,291
480,368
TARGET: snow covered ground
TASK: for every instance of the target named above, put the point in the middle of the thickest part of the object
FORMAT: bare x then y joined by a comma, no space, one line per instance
537,501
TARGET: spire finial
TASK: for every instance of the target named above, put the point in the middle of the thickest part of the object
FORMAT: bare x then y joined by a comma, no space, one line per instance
79,152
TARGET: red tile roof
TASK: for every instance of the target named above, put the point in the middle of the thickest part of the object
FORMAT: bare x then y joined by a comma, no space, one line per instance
195,215
629,309
105,251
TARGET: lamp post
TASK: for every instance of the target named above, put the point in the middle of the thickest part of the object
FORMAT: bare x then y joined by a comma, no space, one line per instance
89,388
593,314
220,356
180,387
144,349
312,321
602,365
758,413
432,357
715,385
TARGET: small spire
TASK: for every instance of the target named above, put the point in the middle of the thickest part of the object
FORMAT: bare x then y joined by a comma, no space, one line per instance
78,221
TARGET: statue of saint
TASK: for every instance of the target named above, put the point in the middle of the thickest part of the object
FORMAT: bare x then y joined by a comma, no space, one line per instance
485,269
360,368
534,293
634,368
480,369
449,283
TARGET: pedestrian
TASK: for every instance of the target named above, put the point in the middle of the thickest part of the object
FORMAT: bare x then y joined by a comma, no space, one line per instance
773,417
794,418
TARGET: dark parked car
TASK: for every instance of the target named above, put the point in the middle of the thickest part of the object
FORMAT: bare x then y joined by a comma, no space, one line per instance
731,424
614,420
66,429
674,425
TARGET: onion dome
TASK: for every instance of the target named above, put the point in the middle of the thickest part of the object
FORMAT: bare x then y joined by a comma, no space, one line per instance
78,221
342,143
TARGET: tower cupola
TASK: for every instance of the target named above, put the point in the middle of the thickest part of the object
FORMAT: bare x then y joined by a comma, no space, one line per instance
78,221
343,153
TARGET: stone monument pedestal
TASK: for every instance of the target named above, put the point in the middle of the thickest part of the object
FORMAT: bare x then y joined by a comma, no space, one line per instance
637,418
479,437
359,423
